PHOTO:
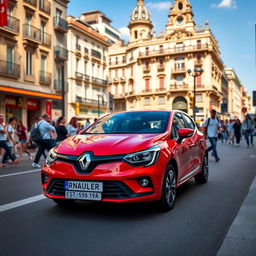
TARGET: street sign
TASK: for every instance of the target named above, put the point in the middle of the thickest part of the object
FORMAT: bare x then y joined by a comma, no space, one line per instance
254,98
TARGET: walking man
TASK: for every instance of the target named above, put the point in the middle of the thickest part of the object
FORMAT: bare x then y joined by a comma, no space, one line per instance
247,128
45,130
212,126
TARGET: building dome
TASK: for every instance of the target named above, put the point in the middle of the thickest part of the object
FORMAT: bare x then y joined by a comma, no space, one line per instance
140,13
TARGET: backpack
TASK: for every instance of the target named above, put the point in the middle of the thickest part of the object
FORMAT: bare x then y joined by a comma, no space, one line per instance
35,134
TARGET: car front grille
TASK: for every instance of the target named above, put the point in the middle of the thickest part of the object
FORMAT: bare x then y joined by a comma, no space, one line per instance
111,190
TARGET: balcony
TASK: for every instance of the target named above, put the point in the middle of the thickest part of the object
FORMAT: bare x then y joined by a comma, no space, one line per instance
99,81
45,77
161,89
79,75
13,25
31,33
198,63
96,54
87,78
146,69
147,90
58,85
179,68
9,69
31,2
161,67
179,86
60,53
91,102
60,24
45,6
46,39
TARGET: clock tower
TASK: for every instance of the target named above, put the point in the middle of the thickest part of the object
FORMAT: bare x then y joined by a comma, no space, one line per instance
140,24
180,17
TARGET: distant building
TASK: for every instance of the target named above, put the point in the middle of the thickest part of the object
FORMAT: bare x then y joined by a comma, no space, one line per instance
101,23
150,72
88,95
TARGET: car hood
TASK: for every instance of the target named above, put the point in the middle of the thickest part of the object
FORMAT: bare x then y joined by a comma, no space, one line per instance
108,144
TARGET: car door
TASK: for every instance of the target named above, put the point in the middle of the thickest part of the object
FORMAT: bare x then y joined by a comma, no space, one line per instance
182,150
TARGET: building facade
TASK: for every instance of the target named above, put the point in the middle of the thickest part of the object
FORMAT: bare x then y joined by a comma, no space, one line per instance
27,63
101,23
88,95
150,72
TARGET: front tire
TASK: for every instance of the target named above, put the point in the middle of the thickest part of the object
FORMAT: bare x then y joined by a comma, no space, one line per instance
202,177
169,189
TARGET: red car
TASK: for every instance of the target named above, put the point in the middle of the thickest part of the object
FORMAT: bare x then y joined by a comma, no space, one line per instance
128,157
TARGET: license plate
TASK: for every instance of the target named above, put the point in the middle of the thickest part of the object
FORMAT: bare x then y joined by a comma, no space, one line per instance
83,195
86,186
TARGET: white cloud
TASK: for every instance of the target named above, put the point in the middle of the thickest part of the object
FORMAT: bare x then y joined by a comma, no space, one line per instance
159,5
226,4
125,32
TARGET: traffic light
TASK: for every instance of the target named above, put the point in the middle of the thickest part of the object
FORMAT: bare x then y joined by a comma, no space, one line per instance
77,108
191,102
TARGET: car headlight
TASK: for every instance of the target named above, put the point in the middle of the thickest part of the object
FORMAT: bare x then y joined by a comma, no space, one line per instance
52,156
146,157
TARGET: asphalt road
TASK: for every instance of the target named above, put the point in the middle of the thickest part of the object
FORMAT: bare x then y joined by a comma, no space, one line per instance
196,226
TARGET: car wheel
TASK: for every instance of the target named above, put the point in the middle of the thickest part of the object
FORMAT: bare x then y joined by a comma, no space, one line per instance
64,202
169,189
202,177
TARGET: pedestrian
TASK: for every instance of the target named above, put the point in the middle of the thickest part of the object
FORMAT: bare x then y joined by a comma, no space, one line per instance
237,130
212,126
10,136
230,129
61,130
223,130
4,145
73,126
87,124
45,142
247,129
23,140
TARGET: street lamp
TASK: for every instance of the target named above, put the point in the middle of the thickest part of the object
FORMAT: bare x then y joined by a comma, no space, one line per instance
195,73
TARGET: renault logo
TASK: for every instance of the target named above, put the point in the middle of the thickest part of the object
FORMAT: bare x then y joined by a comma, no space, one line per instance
84,161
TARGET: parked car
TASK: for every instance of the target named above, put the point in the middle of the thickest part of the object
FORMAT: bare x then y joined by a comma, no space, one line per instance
128,157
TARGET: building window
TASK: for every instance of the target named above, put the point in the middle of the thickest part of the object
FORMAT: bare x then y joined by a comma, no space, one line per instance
147,84
116,60
161,100
199,98
123,72
10,57
116,73
161,83
43,25
199,81
147,64
29,63
136,34
161,49
147,51
85,67
131,71
147,101
93,69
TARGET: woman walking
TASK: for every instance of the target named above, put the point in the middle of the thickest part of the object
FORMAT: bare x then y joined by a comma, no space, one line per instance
61,130
23,140
237,130
72,126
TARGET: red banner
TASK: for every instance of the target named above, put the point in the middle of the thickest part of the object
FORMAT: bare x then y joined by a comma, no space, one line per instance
32,104
48,106
3,12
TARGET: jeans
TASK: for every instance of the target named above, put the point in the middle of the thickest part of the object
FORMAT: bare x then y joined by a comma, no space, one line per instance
213,142
247,135
42,146
8,153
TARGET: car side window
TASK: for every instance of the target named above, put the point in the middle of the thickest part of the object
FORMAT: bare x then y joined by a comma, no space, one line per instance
177,123
189,123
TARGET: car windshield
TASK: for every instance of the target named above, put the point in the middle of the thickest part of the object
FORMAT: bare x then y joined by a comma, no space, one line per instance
131,122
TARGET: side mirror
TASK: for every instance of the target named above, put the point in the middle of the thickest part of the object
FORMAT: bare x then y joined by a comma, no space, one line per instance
184,133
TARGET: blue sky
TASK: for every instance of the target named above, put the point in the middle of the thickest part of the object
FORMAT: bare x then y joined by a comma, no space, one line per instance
231,21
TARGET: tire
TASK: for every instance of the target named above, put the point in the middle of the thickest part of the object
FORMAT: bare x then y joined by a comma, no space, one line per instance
169,189
202,177
64,202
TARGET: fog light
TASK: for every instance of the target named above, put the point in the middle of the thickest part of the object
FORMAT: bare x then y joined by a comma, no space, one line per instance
44,178
144,182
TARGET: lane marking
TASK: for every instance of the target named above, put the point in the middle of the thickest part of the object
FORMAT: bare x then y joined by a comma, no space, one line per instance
6,207
19,173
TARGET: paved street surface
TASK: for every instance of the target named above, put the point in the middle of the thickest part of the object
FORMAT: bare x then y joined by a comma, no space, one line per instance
203,214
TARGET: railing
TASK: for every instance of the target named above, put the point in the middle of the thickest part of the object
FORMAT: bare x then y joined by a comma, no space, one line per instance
99,81
31,2
60,23
96,54
79,75
9,69
45,6
198,62
86,78
179,68
13,24
46,38
161,67
32,32
91,102
174,50
45,77
60,52
78,47
160,89
146,69
58,85
179,86
146,90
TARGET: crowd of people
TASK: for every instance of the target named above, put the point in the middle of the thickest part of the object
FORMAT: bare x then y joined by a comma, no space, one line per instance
15,137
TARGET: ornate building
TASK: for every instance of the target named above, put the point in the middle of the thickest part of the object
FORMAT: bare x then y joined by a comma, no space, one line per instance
150,72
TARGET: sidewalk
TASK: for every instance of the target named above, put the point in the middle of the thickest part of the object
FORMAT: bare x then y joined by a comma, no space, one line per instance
241,237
